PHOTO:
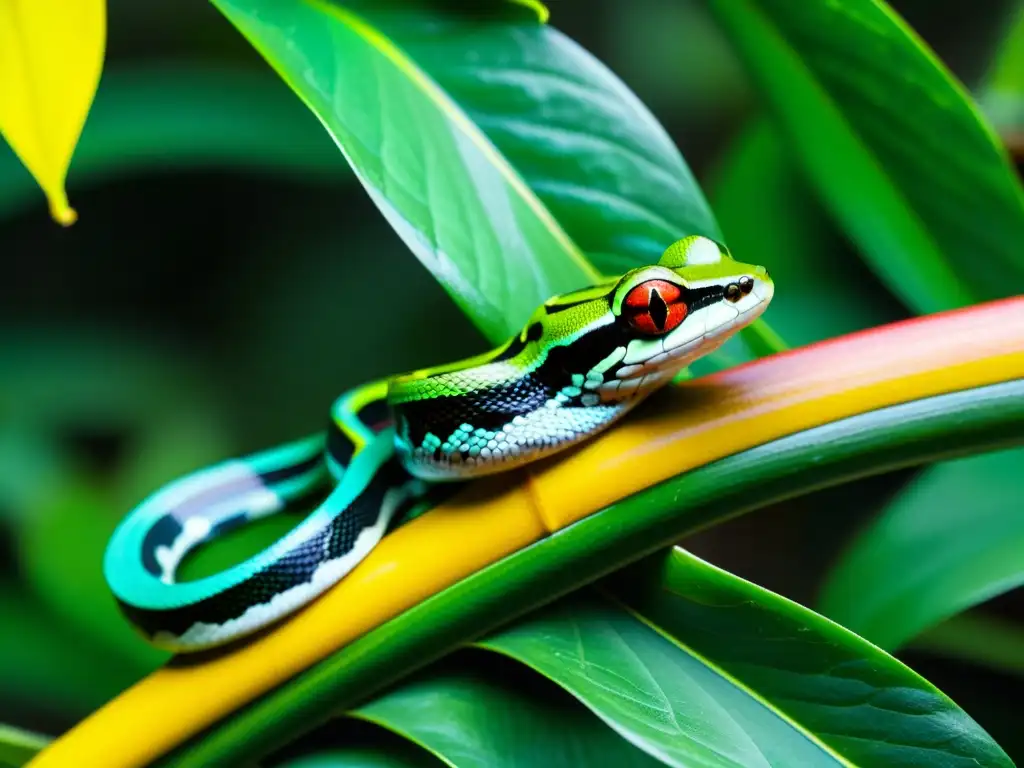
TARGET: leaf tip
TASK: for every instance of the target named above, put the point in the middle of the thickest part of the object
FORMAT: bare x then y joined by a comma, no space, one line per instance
61,211
542,11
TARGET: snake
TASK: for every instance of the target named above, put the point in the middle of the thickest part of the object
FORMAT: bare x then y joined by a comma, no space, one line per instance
581,362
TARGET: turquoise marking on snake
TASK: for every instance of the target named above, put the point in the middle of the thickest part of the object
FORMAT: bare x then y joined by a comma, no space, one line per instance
582,361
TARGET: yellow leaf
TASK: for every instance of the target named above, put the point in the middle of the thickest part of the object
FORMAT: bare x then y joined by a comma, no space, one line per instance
51,56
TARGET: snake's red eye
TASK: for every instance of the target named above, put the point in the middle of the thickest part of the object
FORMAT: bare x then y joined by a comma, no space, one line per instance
654,307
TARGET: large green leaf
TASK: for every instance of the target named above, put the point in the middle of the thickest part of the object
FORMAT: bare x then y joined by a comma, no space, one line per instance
702,668
769,213
453,198
949,541
586,145
583,142
874,442
499,149
17,747
672,703
176,115
475,715
839,690
893,144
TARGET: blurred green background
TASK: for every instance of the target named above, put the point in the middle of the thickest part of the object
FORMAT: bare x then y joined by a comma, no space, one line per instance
214,298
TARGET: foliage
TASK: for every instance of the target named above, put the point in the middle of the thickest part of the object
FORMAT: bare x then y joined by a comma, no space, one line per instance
51,54
513,163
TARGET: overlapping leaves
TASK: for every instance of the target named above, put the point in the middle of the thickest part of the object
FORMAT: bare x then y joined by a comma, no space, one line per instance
893,144
508,168
540,161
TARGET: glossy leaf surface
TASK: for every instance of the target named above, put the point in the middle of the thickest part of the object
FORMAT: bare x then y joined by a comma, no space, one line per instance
461,207
892,143
584,143
948,542
555,156
860,704
769,214
663,698
476,715
581,140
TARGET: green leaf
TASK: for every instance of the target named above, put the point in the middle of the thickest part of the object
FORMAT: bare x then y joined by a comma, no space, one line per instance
1007,71
661,697
892,143
452,197
17,747
854,700
581,140
475,715
552,156
1002,94
769,213
874,442
176,114
589,149
949,541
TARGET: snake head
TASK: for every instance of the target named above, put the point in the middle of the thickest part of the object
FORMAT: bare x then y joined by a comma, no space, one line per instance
686,306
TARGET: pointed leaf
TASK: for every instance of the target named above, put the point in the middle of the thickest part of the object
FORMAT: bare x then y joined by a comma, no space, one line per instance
1007,71
453,198
665,699
949,541
857,702
581,140
175,115
893,144
51,54
766,208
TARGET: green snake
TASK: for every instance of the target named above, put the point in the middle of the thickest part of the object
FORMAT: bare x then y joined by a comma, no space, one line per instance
582,361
